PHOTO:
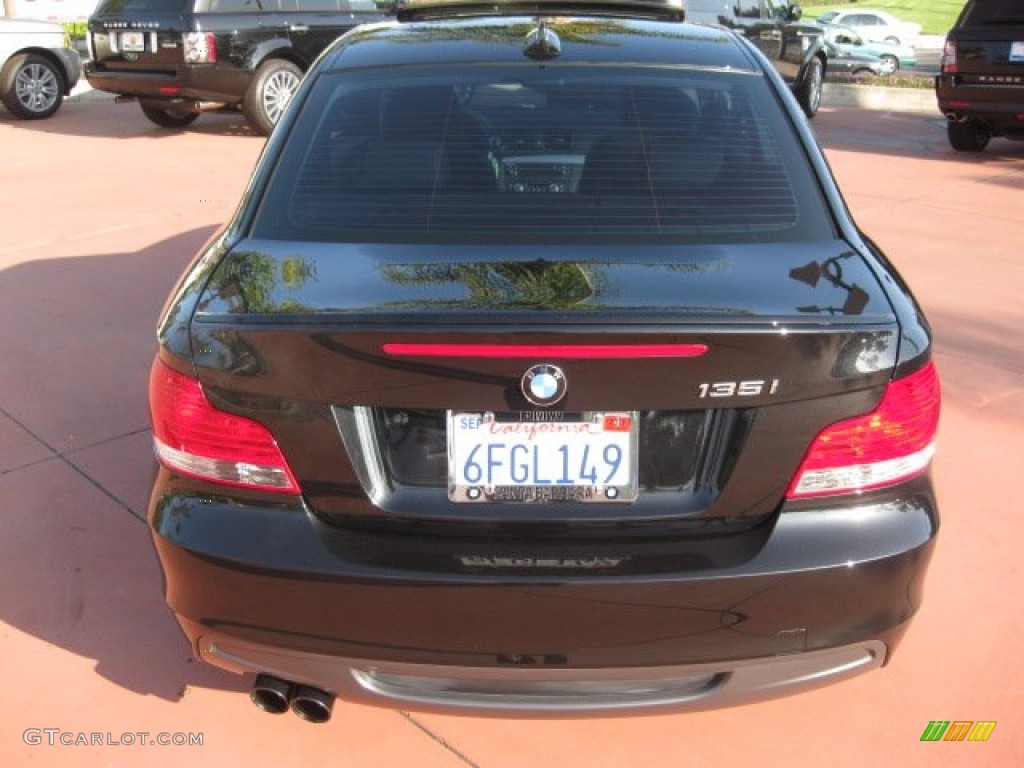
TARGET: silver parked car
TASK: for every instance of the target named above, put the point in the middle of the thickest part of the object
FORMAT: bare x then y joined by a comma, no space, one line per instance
893,56
38,67
874,25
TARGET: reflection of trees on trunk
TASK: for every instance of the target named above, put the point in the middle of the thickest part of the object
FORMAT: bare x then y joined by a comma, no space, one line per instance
832,270
539,284
257,283
864,352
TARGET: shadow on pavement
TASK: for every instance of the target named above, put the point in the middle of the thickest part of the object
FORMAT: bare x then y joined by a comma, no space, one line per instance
105,119
76,561
888,133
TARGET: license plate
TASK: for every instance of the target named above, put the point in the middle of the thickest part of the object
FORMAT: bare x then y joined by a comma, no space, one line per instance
133,41
541,457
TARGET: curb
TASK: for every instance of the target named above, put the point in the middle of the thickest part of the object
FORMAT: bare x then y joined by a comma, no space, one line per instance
880,98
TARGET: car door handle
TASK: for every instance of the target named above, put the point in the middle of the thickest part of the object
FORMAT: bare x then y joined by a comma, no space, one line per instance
298,28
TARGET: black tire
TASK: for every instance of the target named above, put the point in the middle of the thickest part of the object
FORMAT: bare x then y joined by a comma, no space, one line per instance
970,136
890,63
808,92
31,86
169,118
269,93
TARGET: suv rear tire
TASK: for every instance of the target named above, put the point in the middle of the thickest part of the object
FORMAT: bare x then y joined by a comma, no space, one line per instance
269,93
970,136
31,86
808,93
169,118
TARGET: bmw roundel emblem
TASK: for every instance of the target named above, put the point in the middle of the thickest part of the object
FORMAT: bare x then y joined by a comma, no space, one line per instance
544,384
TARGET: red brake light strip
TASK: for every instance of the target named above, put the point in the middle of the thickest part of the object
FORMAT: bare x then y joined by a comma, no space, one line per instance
560,351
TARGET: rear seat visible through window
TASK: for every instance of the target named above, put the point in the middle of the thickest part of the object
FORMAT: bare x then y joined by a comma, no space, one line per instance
652,155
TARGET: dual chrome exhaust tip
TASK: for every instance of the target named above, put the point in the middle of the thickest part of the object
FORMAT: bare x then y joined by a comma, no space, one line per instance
277,696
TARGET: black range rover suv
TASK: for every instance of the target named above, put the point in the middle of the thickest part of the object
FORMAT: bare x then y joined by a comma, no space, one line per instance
542,370
179,58
980,86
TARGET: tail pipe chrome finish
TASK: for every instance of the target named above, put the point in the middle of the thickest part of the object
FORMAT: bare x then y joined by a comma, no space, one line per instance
274,695
271,694
312,704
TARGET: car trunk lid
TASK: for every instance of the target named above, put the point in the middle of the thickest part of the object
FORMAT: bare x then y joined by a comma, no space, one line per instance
301,339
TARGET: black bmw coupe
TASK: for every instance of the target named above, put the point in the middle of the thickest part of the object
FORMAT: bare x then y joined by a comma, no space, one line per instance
542,371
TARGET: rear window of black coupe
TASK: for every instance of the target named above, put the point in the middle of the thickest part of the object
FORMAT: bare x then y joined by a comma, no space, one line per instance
531,153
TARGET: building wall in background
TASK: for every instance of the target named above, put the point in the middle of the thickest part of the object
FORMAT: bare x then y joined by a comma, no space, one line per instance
55,10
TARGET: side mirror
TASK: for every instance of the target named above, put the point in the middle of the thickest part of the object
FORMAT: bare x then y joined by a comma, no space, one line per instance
795,12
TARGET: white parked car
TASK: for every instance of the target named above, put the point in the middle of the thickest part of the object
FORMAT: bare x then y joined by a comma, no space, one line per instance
38,67
874,25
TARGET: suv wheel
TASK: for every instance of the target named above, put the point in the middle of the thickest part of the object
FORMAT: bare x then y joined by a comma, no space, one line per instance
31,86
169,118
970,136
269,93
809,91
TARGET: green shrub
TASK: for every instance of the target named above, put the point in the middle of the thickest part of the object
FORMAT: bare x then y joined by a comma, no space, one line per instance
76,30
891,81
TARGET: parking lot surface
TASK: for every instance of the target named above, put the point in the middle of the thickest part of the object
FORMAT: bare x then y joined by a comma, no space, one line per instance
101,210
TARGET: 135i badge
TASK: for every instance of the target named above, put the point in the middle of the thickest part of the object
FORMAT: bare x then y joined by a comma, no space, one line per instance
751,388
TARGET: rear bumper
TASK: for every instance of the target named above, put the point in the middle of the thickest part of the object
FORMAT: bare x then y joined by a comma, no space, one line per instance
268,589
997,105
536,692
223,85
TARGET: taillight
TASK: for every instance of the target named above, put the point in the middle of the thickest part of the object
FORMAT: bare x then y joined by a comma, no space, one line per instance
194,438
948,63
200,48
893,443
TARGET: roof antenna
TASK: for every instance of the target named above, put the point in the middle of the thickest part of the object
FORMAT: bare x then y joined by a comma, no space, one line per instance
542,43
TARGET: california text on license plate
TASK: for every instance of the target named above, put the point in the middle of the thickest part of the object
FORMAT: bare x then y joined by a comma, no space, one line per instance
539,457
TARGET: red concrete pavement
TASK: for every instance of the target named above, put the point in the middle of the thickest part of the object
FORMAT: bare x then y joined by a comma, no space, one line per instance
99,212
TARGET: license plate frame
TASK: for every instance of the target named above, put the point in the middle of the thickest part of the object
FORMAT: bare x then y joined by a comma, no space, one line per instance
588,457
133,41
